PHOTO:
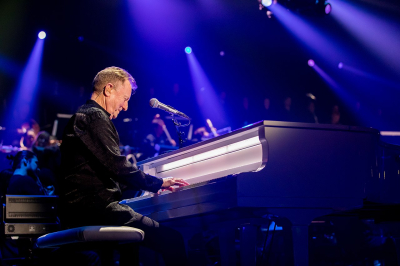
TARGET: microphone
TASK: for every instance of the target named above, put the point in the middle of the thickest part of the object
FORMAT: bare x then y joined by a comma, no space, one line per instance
154,103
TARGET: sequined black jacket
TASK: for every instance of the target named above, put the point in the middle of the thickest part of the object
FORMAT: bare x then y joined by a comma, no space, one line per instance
93,167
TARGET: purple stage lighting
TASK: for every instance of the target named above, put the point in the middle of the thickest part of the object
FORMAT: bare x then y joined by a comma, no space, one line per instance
165,26
266,3
328,8
340,65
23,105
316,40
188,50
370,76
311,63
376,33
333,84
42,35
206,96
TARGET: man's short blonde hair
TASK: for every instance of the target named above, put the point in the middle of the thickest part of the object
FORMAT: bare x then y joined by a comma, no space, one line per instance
112,75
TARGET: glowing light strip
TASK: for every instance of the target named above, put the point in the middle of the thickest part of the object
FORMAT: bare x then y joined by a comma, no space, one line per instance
211,154
243,144
390,133
176,164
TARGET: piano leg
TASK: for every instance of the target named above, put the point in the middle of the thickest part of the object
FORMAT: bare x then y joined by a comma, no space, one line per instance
248,241
300,244
396,241
300,220
227,245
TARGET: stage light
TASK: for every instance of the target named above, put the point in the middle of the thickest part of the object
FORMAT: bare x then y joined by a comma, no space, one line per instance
322,7
266,3
311,63
311,96
328,8
188,50
42,35
340,65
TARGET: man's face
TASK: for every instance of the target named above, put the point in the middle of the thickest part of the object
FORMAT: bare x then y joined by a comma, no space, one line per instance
119,96
30,137
33,164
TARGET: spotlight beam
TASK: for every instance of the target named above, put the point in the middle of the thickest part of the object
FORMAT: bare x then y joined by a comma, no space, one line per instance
309,35
22,105
206,96
378,34
339,90
370,76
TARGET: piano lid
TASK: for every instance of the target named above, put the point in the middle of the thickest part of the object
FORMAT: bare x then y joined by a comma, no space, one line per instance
243,150
253,128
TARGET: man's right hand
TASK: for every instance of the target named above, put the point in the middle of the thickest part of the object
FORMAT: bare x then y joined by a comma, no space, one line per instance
168,182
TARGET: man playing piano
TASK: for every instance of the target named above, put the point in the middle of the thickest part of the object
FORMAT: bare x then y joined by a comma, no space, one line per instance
93,168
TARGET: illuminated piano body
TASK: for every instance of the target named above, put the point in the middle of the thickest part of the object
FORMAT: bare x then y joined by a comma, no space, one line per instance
294,170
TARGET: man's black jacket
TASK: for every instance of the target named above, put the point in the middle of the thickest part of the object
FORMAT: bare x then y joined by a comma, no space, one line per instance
93,168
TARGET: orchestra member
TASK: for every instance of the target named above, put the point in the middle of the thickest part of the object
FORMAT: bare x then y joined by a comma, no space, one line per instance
159,136
93,168
310,116
49,157
24,180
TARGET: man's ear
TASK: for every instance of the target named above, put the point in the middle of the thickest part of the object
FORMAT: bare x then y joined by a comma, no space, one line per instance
107,89
25,162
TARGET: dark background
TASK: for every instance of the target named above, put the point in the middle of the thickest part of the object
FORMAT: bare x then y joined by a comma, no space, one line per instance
261,59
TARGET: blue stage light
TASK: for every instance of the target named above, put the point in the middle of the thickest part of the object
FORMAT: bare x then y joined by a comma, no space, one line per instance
266,3
311,63
188,50
42,35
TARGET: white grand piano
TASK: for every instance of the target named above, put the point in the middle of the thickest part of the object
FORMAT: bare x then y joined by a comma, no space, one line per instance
269,169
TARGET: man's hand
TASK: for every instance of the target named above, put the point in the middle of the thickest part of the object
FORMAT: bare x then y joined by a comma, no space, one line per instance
168,182
172,142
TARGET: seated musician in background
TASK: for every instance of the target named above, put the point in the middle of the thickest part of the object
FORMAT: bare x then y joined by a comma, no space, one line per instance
48,154
24,180
21,179
158,138
49,157
29,131
27,140
93,168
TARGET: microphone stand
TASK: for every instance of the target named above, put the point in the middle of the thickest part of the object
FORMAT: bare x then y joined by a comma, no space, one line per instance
178,132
